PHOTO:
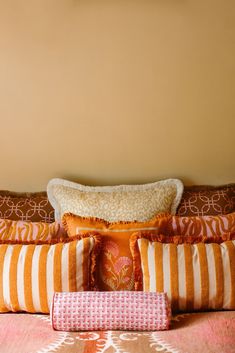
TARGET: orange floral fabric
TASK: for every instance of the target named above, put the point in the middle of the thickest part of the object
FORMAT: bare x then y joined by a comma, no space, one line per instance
115,265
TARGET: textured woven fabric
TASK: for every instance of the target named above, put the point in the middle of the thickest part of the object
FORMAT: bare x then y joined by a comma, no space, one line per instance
34,207
207,200
115,203
194,276
84,311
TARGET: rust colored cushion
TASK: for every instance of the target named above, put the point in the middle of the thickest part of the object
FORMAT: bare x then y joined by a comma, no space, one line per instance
207,200
115,270
33,207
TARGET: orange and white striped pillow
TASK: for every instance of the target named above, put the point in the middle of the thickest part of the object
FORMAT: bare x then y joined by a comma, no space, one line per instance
194,276
30,274
30,231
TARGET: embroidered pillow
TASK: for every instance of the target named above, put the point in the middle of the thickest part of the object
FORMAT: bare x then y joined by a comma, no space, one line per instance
34,207
30,231
209,226
194,276
30,273
207,200
115,203
115,270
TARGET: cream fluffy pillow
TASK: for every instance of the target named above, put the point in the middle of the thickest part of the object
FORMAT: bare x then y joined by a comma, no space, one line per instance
115,203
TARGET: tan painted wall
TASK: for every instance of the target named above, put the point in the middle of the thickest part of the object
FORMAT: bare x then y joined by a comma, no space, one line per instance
113,91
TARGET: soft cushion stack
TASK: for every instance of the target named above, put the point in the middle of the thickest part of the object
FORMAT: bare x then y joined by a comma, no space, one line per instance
183,246
115,271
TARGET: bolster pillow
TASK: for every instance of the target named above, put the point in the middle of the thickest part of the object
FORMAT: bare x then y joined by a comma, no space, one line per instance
123,310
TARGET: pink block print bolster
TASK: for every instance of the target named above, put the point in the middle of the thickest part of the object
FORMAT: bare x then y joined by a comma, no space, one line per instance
122,310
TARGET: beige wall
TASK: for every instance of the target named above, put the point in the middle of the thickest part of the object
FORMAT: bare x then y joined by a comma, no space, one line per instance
116,91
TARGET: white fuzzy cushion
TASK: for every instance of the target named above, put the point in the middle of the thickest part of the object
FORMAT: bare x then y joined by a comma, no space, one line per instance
115,203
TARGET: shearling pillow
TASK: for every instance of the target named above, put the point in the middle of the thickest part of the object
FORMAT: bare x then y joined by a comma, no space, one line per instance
115,203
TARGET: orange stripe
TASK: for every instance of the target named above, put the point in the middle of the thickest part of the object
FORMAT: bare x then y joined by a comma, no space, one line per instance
158,255
174,276
219,274
85,262
231,252
57,267
72,267
13,277
42,273
204,275
3,249
28,279
189,279
144,260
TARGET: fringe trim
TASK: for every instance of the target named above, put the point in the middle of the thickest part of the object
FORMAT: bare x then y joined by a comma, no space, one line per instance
138,274
67,216
51,241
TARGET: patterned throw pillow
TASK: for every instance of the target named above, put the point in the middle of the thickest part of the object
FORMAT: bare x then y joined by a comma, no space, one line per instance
194,276
207,200
209,226
115,203
30,273
33,207
30,231
115,270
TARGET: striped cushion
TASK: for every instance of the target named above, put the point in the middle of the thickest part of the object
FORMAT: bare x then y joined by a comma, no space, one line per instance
194,276
30,274
30,231
209,226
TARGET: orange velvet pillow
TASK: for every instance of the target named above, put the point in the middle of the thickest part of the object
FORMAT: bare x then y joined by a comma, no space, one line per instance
115,266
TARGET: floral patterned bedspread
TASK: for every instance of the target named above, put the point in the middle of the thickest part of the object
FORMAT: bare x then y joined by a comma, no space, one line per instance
202,332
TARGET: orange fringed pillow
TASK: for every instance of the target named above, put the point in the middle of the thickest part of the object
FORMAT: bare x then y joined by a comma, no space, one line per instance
115,268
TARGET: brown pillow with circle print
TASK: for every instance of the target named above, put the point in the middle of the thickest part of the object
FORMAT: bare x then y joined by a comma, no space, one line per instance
204,200
34,207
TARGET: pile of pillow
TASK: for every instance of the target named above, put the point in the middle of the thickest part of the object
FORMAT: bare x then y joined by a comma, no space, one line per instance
129,237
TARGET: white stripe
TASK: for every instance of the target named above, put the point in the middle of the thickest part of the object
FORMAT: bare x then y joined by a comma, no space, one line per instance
212,275
197,278
139,241
182,277
151,267
65,268
50,274
35,278
6,279
166,270
20,277
79,268
227,276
